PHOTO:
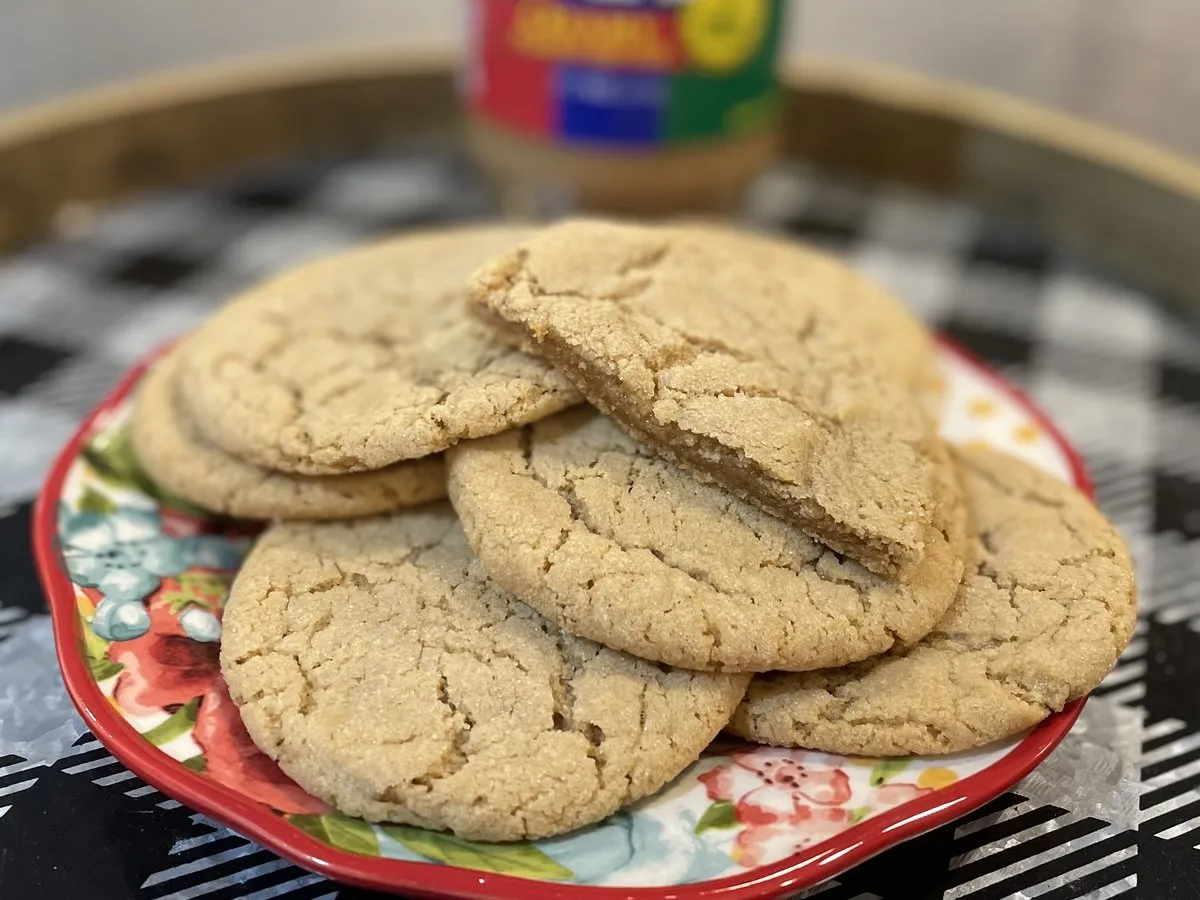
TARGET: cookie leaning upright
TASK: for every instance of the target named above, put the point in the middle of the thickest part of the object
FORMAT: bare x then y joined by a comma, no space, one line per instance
386,674
363,359
898,339
1039,620
734,370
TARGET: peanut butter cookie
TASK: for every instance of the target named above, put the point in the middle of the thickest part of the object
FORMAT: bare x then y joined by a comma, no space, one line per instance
363,359
389,677
1040,618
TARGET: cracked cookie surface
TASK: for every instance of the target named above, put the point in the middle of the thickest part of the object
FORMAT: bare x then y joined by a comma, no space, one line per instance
732,368
617,544
386,674
360,360
897,338
174,454
1047,607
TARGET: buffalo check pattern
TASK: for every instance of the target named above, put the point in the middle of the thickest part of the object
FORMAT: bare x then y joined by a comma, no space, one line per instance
1115,811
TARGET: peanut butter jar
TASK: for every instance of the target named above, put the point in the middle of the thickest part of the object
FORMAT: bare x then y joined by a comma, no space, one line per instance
640,107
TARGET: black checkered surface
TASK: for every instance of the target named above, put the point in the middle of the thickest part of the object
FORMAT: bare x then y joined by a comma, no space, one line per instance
1115,811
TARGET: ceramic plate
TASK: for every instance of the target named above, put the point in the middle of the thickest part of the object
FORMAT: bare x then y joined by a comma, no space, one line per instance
136,581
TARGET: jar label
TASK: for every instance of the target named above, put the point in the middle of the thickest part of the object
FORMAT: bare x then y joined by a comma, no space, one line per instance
634,73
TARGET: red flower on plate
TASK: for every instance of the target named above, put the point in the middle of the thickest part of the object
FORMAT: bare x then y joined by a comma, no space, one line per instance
781,775
234,761
788,834
779,805
167,669
895,793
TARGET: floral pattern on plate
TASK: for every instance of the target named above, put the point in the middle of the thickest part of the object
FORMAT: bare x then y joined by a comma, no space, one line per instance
151,574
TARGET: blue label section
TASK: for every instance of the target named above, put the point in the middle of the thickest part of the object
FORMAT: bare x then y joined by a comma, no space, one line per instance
619,107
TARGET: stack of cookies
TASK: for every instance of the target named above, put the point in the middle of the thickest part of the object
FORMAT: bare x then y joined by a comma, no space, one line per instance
751,523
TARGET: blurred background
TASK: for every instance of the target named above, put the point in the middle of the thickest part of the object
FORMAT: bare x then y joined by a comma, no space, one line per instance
1127,63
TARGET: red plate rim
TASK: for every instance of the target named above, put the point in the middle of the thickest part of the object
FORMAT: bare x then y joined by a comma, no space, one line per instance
801,870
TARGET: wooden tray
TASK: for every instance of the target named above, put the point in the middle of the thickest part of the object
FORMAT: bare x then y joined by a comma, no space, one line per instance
1112,196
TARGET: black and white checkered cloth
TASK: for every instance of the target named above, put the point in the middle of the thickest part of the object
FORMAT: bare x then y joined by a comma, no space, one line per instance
1116,810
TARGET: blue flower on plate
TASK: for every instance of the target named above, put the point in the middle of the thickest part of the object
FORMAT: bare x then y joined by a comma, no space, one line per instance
200,625
125,555
205,551
120,620
634,847
593,854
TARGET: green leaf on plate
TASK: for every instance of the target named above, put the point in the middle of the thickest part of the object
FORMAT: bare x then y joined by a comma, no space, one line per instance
885,769
196,763
173,501
103,667
93,501
111,457
110,454
858,814
178,723
336,830
718,815
524,859
95,653
206,590
94,646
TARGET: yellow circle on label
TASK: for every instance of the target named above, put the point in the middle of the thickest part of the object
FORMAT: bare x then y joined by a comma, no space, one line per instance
722,34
